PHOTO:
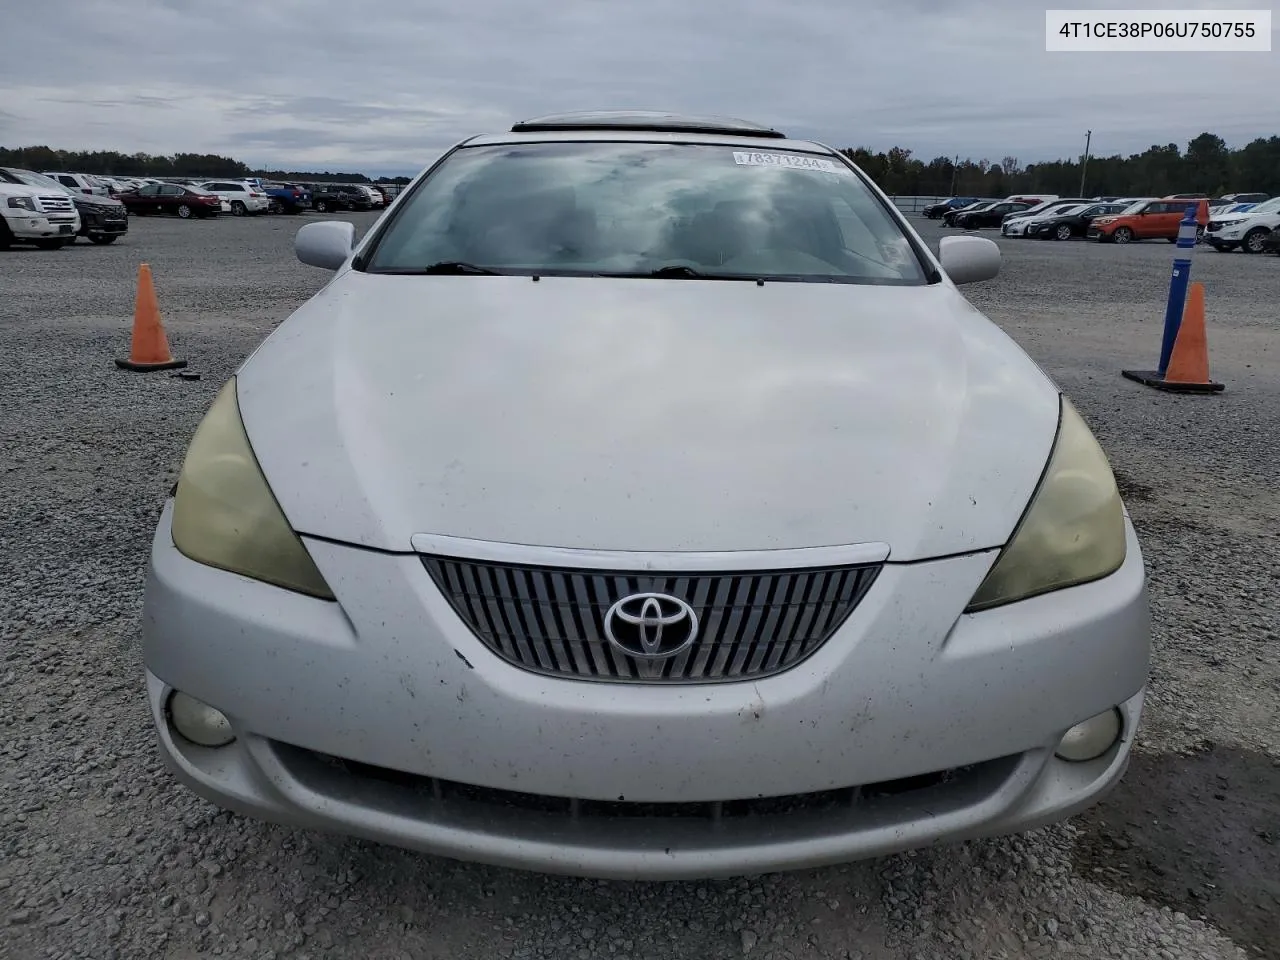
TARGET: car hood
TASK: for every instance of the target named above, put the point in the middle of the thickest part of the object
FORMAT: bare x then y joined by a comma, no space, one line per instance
647,415
8,189
91,202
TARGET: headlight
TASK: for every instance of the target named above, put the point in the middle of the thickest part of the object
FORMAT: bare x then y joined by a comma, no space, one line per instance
224,513
1072,531
22,203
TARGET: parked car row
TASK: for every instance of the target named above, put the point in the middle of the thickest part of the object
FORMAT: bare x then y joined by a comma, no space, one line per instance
249,196
178,199
940,210
89,184
1068,221
1104,219
245,195
986,213
36,209
1244,221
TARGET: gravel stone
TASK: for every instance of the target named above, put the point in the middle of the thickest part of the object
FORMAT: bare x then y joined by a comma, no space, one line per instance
104,855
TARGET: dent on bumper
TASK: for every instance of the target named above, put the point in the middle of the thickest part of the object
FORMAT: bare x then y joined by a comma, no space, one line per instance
392,679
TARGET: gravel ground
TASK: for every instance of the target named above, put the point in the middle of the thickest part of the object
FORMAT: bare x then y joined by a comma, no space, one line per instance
103,856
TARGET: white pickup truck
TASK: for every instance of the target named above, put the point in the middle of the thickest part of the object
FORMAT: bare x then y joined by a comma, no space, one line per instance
32,215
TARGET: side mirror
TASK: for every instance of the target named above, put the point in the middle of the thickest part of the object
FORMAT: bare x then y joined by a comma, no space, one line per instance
327,244
969,259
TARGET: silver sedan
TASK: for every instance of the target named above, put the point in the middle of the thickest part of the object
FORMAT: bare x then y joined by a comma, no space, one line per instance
642,498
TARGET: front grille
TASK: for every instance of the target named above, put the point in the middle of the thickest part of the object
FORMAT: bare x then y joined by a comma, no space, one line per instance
52,204
551,620
1214,225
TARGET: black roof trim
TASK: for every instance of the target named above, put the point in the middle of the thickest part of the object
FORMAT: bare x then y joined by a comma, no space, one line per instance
647,121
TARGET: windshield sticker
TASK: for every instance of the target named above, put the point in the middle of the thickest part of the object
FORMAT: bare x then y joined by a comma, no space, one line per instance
789,160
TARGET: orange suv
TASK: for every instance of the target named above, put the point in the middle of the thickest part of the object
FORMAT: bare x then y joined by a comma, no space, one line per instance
1149,220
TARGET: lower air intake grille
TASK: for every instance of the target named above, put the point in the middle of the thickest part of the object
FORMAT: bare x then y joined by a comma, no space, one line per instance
749,625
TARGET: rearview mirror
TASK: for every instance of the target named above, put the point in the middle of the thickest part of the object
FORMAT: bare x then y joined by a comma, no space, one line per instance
327,244
969,259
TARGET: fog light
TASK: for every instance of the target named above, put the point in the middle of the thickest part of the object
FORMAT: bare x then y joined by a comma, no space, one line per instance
199,722
1092,738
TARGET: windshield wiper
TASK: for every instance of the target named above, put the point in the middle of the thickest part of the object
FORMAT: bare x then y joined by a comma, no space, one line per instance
445,268
678,270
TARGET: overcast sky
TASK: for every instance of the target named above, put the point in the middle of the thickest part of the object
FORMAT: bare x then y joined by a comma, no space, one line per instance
309,84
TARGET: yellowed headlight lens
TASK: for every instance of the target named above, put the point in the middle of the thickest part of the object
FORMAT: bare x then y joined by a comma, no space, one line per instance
1073,531
224,513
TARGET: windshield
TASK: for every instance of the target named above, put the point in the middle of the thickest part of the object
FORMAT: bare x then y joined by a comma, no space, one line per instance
632,209
1135,207
32,179
1068,210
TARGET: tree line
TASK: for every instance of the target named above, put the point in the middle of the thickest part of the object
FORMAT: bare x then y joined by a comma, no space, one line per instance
1207,165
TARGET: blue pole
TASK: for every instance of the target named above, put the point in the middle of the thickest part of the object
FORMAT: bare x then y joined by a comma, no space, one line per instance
1178,285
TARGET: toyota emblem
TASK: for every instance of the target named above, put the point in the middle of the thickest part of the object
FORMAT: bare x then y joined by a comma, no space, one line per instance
651,625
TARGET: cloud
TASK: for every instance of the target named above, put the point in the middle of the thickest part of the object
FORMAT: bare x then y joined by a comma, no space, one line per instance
306,83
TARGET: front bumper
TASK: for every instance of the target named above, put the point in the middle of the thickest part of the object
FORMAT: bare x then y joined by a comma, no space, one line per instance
40,226
470,757
1225,237
99,224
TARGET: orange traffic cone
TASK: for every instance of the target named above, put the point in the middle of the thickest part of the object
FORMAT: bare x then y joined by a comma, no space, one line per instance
149,349
1189,362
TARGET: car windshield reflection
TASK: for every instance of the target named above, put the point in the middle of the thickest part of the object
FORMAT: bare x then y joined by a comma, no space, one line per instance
629,209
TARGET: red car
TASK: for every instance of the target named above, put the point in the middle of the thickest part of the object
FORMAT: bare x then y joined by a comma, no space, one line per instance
185,202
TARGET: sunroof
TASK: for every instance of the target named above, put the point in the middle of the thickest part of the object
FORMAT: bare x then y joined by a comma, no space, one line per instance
646,120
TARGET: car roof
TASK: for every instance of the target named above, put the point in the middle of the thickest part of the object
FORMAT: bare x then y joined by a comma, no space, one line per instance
650,126
605,134
646,120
